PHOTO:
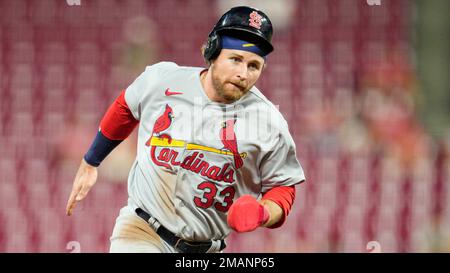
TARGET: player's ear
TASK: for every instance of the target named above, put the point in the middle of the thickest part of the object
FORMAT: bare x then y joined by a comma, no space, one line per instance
208,62
202,50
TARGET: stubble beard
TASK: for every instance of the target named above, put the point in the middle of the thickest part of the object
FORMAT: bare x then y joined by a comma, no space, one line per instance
227,95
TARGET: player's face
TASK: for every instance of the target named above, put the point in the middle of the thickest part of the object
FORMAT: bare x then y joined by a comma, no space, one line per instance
234,72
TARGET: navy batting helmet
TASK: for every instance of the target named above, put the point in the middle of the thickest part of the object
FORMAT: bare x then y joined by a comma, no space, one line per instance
242,22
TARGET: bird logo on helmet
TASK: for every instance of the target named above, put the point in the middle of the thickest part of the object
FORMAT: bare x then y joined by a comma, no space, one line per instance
255,20
242,22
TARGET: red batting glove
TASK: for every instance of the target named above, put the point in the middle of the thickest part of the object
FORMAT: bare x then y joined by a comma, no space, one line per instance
246,214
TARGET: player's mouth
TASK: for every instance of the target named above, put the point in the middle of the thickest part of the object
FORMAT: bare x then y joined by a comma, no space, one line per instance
240,87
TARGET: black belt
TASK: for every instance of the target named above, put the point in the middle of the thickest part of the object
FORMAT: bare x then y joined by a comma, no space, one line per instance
178,243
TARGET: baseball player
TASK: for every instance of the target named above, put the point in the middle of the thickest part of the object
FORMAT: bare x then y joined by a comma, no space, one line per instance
213,154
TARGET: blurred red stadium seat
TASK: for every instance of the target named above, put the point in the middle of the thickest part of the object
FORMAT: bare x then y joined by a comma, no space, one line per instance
13,13
43,13
18,230
22,76
51,232
53,53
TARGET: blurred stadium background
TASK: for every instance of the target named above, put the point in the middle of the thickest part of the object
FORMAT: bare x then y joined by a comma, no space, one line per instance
364,88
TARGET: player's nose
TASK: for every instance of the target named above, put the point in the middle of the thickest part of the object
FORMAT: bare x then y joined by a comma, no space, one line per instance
242,73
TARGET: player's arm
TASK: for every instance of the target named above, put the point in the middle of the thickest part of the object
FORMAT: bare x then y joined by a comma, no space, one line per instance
247,213
280,171
116,125
279,202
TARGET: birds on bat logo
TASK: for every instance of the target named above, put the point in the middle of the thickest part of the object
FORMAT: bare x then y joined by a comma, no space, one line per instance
168,154
228,138
162,123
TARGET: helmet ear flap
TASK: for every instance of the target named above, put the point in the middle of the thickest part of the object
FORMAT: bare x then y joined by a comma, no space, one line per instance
213,46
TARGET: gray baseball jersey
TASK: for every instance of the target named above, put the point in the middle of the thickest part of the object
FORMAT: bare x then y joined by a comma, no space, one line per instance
196,156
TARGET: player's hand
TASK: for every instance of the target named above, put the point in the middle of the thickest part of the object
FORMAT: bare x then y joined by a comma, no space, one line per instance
246,214
84,180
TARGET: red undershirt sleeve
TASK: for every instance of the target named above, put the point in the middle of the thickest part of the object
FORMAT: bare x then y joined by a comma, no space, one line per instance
118,122
284,197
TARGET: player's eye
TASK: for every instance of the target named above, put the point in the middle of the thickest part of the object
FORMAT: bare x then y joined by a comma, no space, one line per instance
235,59
253,66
